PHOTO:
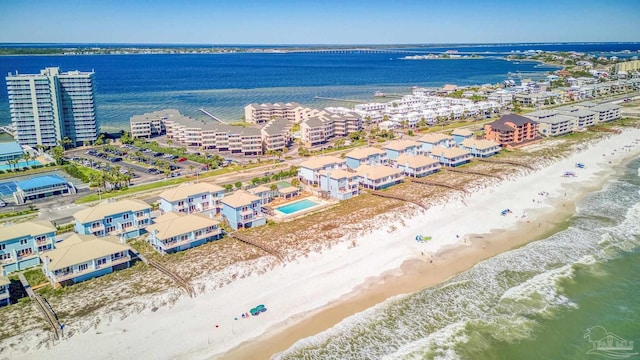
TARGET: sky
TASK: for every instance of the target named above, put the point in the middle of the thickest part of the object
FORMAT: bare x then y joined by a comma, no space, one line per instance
318,22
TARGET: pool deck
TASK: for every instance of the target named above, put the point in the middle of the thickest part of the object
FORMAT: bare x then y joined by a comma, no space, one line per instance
278,216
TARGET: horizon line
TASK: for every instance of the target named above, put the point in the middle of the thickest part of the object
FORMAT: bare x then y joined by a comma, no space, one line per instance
323,44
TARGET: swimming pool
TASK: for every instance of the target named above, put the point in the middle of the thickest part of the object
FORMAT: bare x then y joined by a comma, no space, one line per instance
21,164
297,206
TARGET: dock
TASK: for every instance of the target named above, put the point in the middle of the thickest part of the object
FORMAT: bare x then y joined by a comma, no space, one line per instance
336,99
211,115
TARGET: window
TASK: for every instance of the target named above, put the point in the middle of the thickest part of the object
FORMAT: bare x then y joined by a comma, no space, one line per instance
204,197
110,229
5,256
140,214
101,261
83,267
108,220
125,216
95,225
24,241
3,246
41,238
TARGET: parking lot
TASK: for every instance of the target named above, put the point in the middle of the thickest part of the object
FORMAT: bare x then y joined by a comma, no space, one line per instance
144,165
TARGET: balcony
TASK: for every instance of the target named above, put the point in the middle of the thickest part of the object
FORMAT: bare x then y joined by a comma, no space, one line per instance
67,275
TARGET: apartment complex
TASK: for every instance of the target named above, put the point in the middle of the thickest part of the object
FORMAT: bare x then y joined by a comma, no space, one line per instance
151,124
52,105
511,130
322,126
263,113
566,119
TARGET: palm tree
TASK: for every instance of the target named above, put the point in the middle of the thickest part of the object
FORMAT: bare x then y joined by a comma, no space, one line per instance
65,142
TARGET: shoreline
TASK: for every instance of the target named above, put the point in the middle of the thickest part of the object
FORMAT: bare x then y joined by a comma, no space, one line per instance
417,274
324,288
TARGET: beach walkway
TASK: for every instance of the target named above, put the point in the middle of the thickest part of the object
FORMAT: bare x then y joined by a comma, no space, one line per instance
266,248
397,197
45,308
508,162
177,278
473,172
434,183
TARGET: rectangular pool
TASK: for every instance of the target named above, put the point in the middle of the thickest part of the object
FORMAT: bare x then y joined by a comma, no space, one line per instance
21,164
294,207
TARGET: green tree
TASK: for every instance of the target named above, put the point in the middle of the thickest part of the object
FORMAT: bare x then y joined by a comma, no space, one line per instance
58,154
295,182
126,138
238,184
66,142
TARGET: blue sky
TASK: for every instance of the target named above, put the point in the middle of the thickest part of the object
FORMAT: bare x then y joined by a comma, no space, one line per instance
318,22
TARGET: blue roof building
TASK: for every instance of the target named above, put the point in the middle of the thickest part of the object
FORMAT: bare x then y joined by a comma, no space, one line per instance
10,151
42,186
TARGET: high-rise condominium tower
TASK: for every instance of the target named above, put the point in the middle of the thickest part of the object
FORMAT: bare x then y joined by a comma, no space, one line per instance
53,105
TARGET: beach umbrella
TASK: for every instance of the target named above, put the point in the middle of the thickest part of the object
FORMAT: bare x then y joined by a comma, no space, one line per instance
259,307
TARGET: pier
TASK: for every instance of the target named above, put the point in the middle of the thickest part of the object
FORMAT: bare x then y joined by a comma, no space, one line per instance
336,99
211,116
45,308
8,130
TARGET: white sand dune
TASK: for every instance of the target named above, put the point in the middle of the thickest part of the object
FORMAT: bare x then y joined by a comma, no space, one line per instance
205,326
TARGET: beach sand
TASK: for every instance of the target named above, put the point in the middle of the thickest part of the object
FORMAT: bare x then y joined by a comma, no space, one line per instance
313,293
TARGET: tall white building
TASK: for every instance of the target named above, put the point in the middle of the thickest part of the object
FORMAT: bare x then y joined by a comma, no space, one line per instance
52,105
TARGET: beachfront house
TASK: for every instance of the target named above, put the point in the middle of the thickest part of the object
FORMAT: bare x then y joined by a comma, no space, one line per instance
365,155
20,244
552,122
243,210
459,135
124,218
511,130
428,141
309,171
450,157
480,147
378,177
401,147
264,193
190,198
417,166
83,257
5,297
339,184
173,231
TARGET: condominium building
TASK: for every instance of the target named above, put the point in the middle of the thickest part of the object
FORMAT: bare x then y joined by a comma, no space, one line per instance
151,124
52,105
511,129
324,125
262,113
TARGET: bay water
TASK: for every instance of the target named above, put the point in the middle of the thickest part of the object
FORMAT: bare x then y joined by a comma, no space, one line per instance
535,302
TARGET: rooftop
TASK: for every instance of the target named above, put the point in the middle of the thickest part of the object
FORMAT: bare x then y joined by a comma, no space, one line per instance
377,172
434,138
103,210
78,249
364,152
186,190
30,228
480,144
399,145
449,153
321,161
415,161
11,147
172,224
239,199
40,182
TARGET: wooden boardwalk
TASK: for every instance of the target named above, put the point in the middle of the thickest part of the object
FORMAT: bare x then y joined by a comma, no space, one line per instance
163,269
434,183
397,197
473,172
44,307
508,162
264,247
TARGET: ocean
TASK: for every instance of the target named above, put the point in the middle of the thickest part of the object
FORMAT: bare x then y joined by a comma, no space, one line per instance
535,302
223,84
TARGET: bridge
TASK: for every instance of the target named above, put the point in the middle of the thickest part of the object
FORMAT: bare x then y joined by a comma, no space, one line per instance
352,51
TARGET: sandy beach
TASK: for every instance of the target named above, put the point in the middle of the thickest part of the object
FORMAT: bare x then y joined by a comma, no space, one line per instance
313,293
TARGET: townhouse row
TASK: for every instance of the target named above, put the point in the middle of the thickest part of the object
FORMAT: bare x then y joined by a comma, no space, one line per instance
191,215
275,135
375,168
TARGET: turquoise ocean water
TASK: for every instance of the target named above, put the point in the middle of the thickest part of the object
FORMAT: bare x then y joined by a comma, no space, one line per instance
535,302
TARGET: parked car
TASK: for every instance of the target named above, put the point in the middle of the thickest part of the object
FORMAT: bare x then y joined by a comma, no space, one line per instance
182,159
